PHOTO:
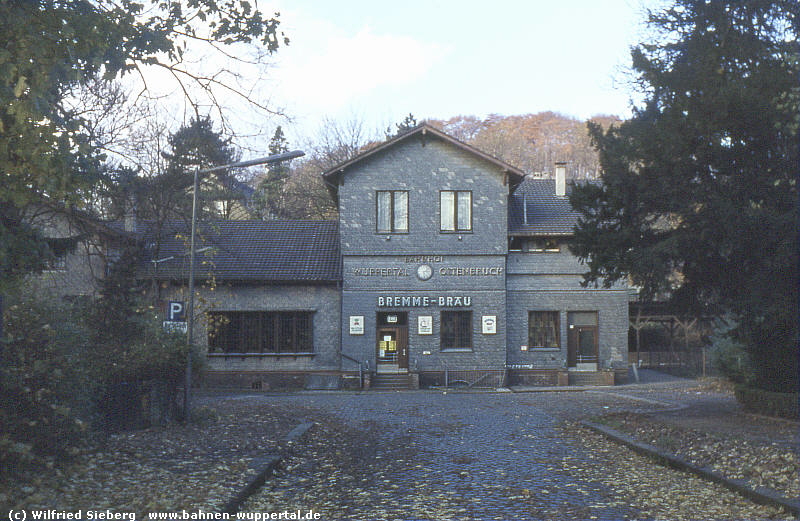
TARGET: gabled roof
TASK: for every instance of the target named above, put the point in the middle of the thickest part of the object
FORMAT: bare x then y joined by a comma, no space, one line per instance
425,130
546,213
77,222
280,251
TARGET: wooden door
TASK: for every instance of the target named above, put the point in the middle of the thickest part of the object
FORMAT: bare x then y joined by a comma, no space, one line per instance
582,345
402,347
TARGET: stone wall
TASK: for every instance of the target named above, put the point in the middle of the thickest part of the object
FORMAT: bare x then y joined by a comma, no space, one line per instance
468,264
612,309
322,300
423,166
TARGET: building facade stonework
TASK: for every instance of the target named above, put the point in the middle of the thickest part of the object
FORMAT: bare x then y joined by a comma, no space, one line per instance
435,236
446,264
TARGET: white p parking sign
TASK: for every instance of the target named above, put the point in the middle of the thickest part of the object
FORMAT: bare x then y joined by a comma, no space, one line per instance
176,311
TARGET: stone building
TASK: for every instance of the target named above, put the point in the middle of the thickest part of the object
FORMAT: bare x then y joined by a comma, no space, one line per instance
446,267
267,298
82,249
455,268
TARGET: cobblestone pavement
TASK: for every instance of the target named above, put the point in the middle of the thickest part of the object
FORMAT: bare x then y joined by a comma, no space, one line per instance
435,455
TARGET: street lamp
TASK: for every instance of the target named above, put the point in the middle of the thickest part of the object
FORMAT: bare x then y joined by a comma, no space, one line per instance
275,158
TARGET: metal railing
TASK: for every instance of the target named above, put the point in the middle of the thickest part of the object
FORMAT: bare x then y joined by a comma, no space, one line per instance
361,368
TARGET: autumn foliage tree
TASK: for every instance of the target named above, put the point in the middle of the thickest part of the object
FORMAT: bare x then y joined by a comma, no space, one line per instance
50,50
51,53
698,199
532,142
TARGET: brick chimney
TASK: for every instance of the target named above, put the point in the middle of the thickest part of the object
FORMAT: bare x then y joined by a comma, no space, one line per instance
561,179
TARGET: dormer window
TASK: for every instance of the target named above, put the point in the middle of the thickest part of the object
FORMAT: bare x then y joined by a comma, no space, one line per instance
392,211
455,210
534,245
58,262
544,246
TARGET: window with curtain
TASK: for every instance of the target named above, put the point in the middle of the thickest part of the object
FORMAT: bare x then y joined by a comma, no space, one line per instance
455,210
392,211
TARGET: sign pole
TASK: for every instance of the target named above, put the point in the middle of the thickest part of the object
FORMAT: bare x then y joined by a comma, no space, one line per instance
187,394
187,391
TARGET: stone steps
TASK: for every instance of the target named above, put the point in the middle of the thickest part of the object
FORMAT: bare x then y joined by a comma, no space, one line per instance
390,382
589,378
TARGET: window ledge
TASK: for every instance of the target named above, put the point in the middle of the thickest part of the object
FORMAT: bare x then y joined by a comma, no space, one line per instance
263,355
457,350
544,349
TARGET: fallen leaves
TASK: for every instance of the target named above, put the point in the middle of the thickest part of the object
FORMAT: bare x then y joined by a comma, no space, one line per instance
657,492
194,466
764,464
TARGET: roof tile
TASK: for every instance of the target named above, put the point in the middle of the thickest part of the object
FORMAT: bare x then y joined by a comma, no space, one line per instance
305,251
547,213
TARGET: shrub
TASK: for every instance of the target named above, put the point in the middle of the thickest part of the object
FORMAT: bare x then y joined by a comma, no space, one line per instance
44,383
142,372
139,362
728,356
768,403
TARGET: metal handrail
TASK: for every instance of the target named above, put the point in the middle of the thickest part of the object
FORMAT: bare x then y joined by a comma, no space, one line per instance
360,368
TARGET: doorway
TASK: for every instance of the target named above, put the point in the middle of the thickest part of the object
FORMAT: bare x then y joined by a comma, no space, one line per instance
391,346
582,341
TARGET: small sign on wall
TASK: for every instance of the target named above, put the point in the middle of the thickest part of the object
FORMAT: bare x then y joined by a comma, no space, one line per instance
357,324
176,311
175,326
489,324
425,325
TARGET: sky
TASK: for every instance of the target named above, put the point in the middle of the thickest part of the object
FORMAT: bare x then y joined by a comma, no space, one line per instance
379,61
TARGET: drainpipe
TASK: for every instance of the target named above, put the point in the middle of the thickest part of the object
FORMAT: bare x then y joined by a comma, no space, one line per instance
525,208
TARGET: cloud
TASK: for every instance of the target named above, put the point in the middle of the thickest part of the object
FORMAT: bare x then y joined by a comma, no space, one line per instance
325,68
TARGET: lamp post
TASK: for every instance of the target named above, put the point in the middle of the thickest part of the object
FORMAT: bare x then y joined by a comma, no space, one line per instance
275,158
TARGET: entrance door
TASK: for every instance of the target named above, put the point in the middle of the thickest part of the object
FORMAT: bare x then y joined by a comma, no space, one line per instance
392,342
582,347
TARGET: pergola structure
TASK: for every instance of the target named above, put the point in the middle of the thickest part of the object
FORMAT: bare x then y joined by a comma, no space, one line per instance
645,313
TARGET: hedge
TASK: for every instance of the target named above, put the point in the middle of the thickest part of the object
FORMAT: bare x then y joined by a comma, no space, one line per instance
769,403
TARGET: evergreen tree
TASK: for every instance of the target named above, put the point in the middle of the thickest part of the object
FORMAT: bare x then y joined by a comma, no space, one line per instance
198,146
270,201
698,199
404,126
168,194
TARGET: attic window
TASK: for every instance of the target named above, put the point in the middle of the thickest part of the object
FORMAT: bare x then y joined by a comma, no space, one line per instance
59,247
58,262
543,246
